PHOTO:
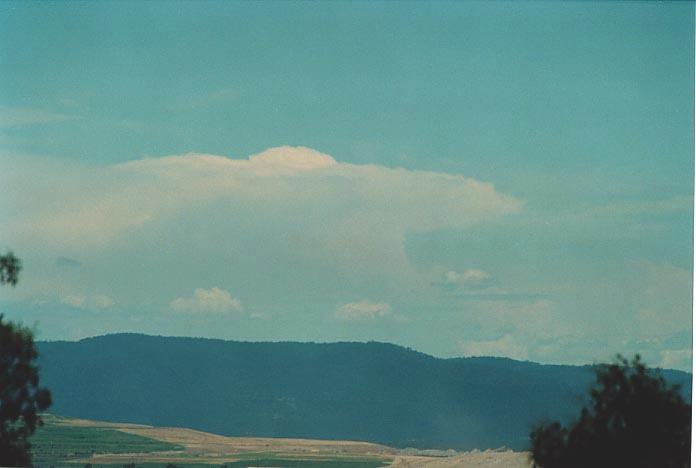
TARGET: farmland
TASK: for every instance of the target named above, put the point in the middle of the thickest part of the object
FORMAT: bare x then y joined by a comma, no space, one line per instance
68,442
79,442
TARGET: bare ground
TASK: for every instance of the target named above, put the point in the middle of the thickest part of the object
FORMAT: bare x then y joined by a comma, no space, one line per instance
475,459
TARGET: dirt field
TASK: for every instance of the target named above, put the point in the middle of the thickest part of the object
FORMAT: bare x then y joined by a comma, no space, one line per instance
475,459
205,448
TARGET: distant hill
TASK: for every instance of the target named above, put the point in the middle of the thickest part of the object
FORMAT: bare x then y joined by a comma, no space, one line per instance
353,391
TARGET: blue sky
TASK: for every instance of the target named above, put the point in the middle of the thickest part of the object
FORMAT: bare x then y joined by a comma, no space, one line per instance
499,178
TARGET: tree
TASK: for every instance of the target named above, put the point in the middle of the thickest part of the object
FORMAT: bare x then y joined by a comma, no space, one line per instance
21,397
10,266
634,419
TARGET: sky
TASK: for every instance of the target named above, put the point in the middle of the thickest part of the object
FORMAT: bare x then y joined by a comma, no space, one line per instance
498,178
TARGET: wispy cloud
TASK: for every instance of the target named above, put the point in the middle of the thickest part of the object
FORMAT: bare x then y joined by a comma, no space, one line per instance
87,302
23,116
469,279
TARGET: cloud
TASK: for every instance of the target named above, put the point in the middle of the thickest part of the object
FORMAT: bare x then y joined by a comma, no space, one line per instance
518,330
479,285
84,302
471,279
207,301
676,359
355,216
363,310
505,346
22,116
467,277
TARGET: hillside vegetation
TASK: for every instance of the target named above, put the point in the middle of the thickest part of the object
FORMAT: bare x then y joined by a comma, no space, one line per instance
351,391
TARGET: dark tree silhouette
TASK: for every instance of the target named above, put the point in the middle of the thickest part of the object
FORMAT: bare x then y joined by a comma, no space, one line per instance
634,419
10,266
21,398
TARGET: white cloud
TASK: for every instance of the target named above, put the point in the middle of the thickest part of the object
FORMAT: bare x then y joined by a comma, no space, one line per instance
286,157
81,301
207,301
362,310
356,216
505,346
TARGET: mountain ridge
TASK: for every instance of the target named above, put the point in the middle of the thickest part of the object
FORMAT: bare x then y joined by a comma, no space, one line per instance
372,391
369,342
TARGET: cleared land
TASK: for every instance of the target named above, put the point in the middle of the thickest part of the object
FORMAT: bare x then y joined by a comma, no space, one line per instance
474,459
67,442
64,441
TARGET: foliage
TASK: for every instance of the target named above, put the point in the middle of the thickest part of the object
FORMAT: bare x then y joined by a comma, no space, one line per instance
21,398
10,266
634,419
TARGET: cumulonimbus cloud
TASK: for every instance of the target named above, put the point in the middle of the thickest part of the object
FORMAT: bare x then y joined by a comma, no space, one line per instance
355,214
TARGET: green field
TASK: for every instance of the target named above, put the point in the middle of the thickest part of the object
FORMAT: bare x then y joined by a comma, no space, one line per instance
54,443
58,443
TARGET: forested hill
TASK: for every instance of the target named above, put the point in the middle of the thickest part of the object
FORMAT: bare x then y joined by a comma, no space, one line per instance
360,391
